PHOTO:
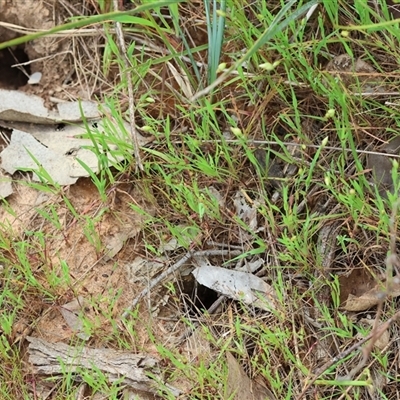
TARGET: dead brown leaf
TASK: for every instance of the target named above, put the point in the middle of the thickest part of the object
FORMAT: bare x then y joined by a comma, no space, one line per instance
370,298
241,385
357,73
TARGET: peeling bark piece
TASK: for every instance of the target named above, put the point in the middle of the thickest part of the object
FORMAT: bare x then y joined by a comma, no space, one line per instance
57,358
58,148
16,156
5,186
327,245
19,106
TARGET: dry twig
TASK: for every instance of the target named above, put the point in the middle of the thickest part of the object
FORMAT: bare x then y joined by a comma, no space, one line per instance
391,261
174,268
377,330
125,75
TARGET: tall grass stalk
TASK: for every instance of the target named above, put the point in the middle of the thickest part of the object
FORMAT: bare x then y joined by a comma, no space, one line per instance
215,29
279,24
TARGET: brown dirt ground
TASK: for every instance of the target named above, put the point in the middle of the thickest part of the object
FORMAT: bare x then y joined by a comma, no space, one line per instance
70,71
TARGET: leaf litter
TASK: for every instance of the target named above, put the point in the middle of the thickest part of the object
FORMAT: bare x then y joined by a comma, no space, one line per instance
97,276
60,148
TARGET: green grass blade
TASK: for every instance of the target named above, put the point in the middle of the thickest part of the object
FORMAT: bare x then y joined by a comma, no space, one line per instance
275,27
112,16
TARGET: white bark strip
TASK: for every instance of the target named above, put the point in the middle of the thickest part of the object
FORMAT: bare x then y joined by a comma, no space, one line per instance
59,358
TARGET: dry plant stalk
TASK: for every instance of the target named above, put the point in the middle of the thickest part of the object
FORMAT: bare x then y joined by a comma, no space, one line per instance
357,346
392,261
125,75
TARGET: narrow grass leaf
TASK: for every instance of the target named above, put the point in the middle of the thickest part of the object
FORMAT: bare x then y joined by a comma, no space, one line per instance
275,27
95,19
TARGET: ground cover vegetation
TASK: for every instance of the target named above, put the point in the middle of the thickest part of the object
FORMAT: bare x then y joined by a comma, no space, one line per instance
270,133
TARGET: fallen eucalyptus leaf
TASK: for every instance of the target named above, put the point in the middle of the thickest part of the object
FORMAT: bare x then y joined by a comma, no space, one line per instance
370,298
383,340
247,213
237,285
141,269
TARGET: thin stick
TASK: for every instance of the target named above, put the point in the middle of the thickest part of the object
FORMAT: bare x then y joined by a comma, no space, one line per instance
391,262
312,146
156,281
385,326
125,75
377,331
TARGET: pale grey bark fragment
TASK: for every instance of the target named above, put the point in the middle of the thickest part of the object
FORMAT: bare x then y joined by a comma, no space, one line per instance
59,358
